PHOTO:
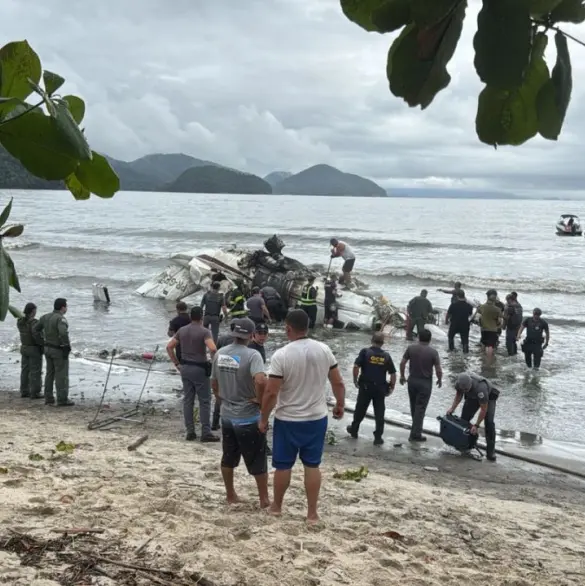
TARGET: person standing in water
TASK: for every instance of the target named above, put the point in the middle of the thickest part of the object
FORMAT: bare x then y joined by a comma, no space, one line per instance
453,292
458,316
537,334
308,301
513,320
213,304
343,250
491,317
258,311
419,309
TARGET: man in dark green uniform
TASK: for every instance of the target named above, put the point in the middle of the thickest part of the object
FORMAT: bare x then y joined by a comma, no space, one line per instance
419,310
308,301
55,331
31,351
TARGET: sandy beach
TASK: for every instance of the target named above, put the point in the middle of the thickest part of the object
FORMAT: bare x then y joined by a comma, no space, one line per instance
162,509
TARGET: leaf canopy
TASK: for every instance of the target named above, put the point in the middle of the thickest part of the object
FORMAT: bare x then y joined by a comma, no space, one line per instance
6,212
569,11
52,81
76,107
510,117
12,231
12,276
418,58
79,191
4,284
18,64
503,42
98,176
555,95
71,131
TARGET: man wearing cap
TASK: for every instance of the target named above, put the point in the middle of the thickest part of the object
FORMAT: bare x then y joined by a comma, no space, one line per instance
259,339
238,380
194,367
419,309
480,394
258,312
533,346
491,322
369,376
308,301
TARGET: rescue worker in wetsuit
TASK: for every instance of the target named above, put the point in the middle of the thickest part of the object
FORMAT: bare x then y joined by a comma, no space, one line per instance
213,304
419,310
331,301
31,351
274,303
308,302
54,330
480,394
345,251
453,292
513,321
533,346
237,302
369,376
458,316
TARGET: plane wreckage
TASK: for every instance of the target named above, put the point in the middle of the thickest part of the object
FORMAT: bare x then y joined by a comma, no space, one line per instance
190,272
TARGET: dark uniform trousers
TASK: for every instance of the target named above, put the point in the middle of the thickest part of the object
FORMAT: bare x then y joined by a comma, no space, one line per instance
31,371
311,311
419,322
370,393
532,352
212,322
471,407
463,331
419,393
57,374
511,346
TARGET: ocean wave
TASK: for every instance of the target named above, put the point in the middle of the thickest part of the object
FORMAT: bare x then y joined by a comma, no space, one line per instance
475,282
85,280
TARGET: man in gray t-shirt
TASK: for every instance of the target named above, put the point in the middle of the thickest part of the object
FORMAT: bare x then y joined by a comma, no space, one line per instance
257,307
423,358
238,380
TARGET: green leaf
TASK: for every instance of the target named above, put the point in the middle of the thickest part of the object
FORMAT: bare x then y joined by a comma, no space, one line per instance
418,58
429,12
4,284
16,313
12,231
554,97
6,213
76,107
79,191
509,117
71,131
38,143
18,64
360,11
502,43
7,105
12,276
97,176
569,11
540,8
52,81
391,15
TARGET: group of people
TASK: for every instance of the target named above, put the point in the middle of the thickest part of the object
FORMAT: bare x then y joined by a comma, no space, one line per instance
48,337
494,318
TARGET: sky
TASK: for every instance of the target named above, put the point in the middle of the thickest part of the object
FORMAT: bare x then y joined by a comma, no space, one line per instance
267,85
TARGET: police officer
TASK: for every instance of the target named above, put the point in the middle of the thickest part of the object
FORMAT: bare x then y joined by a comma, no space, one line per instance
533,346
480,394
237,302
213,304
369,376
31,350
308,302
274,303
55,332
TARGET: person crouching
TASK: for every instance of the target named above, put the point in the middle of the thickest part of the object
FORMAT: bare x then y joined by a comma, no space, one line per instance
238,380
480,394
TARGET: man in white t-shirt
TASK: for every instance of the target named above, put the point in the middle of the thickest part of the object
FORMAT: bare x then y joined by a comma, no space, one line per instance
345,251
297,382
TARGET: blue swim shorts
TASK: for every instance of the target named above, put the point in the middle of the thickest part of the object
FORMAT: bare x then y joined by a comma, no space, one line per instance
305,439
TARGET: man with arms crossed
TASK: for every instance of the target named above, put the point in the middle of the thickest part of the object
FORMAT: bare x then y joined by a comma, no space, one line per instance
238,380
296,386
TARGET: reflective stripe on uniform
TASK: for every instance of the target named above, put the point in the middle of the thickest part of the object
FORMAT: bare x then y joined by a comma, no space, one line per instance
306,298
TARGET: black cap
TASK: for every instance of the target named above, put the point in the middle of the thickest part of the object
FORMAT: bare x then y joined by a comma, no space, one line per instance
262,328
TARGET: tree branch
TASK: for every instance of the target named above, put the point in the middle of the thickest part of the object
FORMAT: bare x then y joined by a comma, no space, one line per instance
22,113
575,39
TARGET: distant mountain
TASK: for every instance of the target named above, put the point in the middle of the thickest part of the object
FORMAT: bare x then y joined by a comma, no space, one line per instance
276,177
14,176
215,179
326,180
131,179
167,167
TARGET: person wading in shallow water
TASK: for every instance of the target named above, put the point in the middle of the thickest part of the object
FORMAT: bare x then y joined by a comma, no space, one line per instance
345,251
296,386
537,334
369,376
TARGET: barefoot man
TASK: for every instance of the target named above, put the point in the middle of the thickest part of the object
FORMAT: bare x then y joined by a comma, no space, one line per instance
296,385
238,380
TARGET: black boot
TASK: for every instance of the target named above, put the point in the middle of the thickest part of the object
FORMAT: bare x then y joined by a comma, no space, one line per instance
351,431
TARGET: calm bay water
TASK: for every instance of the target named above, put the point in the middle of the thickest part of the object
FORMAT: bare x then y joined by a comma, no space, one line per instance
402,245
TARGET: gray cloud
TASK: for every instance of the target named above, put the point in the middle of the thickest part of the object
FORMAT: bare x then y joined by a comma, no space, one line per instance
277,85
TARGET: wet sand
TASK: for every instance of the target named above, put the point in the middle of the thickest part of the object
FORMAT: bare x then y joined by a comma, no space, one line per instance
414,519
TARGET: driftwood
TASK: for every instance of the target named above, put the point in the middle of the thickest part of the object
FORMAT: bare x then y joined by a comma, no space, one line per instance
78,530
137,443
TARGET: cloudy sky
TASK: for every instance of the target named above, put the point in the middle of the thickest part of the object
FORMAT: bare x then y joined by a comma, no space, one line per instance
266,85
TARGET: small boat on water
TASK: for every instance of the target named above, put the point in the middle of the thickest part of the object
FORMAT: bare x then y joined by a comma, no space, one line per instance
569,225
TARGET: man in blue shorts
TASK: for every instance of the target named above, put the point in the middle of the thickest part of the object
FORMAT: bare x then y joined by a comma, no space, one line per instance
238,380
297,388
